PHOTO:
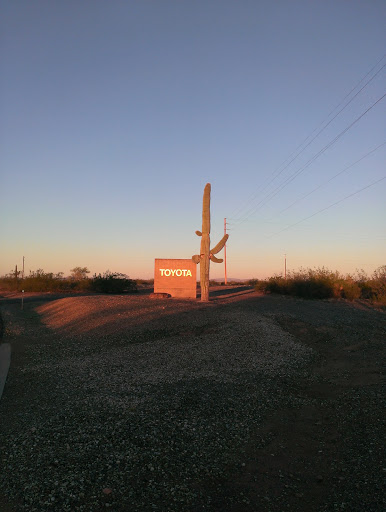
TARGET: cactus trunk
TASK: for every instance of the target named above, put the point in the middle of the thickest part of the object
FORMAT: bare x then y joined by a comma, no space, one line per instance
205,253
205,245
204,267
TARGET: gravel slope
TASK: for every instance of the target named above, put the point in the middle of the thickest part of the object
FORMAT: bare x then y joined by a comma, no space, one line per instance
128,403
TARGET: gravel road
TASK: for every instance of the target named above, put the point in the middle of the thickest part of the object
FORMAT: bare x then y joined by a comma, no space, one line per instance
248,403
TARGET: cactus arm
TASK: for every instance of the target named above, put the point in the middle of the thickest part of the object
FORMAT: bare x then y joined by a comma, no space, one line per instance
216,260
220,245
198,233
196,258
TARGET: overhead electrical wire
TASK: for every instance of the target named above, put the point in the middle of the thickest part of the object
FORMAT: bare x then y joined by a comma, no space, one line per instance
324,127
280,170
328,207
289,179
333,177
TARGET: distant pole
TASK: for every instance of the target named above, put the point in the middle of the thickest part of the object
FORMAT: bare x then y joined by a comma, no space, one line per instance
225,252
23,269
285,266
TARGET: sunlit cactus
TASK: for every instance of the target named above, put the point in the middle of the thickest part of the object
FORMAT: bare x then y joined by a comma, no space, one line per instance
207,254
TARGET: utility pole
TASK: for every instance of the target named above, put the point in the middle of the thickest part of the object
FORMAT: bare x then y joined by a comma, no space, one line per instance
285,266
23,269
225,252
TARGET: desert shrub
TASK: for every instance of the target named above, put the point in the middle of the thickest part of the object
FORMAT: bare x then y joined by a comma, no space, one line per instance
144,282
36,281
376,285
363,282
9,283
259,285
367,292
349,289
40,281
312,283
112,282
277,284
322,283
372,288
79,273
317,283
311,289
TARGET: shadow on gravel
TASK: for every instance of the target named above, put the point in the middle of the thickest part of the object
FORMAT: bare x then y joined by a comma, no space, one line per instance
109,314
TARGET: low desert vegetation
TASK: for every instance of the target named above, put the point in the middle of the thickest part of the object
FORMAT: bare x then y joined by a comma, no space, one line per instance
322,283
145,282
319,283
78,281
111,282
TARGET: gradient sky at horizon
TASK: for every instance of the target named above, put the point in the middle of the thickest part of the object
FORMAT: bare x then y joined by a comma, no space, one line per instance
114,115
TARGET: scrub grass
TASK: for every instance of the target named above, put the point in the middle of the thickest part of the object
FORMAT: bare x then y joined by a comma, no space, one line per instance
40,281
321,283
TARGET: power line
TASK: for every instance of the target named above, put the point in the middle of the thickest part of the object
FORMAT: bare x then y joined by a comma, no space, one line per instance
289,179
328,181
324,127
276,173
270,221
328,207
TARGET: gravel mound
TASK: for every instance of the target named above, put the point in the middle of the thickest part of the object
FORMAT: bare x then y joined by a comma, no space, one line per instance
124,403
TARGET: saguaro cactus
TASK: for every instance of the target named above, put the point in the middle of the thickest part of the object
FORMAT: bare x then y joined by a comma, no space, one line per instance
207,254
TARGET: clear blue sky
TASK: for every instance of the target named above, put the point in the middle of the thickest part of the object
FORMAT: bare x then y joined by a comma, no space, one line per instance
114,115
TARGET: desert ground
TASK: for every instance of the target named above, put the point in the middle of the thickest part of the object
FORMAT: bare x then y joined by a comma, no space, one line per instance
247,403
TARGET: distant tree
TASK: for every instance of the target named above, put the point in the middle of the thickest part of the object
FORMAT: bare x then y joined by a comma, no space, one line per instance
37,273
79,273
